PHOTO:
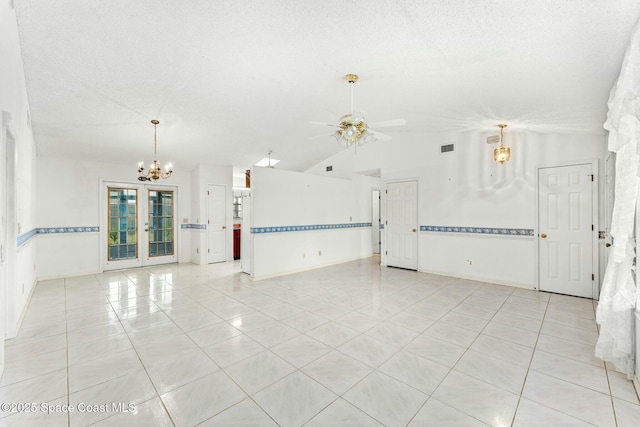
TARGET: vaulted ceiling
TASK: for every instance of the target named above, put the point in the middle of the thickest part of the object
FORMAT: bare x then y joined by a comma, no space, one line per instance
230,80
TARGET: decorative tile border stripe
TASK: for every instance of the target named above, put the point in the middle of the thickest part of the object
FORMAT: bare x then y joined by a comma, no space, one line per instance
479,230
196,226
289,228
24,238
59,230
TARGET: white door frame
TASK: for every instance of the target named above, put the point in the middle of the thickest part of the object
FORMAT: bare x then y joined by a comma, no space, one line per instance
383,218
246,245
9,233
376,220
595,291
140,186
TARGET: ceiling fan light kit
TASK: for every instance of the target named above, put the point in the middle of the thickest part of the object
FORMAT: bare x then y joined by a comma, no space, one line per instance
155,171
352,129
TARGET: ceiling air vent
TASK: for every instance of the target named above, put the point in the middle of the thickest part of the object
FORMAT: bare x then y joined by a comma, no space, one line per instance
446,148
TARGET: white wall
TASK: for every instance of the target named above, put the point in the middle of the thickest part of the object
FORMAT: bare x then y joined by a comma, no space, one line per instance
68,194
14,104
285,198
467,188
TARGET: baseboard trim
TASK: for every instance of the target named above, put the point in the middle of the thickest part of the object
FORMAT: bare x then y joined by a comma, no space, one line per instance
14,333
480,279
67,275
309,268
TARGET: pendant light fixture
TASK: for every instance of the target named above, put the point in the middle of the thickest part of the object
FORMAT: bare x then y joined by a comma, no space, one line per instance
155,171
502,154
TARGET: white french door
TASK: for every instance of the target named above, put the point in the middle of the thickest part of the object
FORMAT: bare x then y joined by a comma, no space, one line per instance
566,230
139,226
401,225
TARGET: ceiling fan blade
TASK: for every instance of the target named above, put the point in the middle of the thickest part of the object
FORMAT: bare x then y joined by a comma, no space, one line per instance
381,136
388,123
319,136
325,124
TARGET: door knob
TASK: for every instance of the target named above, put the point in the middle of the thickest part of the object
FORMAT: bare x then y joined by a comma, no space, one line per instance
414,230
607,245
544,236
224,227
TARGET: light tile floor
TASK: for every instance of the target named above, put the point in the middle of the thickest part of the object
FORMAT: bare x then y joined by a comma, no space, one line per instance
352,344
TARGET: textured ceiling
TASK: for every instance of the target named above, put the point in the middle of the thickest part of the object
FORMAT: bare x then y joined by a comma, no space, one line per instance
230,80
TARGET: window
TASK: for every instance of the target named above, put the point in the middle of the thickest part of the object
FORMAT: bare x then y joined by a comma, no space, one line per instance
160,223
123,211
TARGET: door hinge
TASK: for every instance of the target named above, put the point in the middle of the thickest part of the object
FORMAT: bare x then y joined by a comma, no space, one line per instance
386,191
592,227
386,222
593,276
386,252
209,250
207,192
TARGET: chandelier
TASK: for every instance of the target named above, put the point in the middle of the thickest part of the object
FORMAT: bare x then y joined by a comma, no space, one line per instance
502,153
155,171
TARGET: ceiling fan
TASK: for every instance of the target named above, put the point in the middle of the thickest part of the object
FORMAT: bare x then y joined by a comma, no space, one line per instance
352,128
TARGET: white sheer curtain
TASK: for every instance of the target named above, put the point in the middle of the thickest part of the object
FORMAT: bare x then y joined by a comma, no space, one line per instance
615,313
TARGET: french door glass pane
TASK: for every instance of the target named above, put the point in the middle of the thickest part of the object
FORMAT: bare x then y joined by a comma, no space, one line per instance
160,223
123,208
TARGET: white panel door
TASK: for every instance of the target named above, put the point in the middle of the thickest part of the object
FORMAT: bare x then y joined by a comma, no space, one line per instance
566,227
375,221
401,224
216,223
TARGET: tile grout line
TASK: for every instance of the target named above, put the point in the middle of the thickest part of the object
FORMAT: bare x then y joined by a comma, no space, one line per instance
606,370
66,337
533,353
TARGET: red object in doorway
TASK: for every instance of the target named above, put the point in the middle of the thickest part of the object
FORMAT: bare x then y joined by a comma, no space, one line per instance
236,243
